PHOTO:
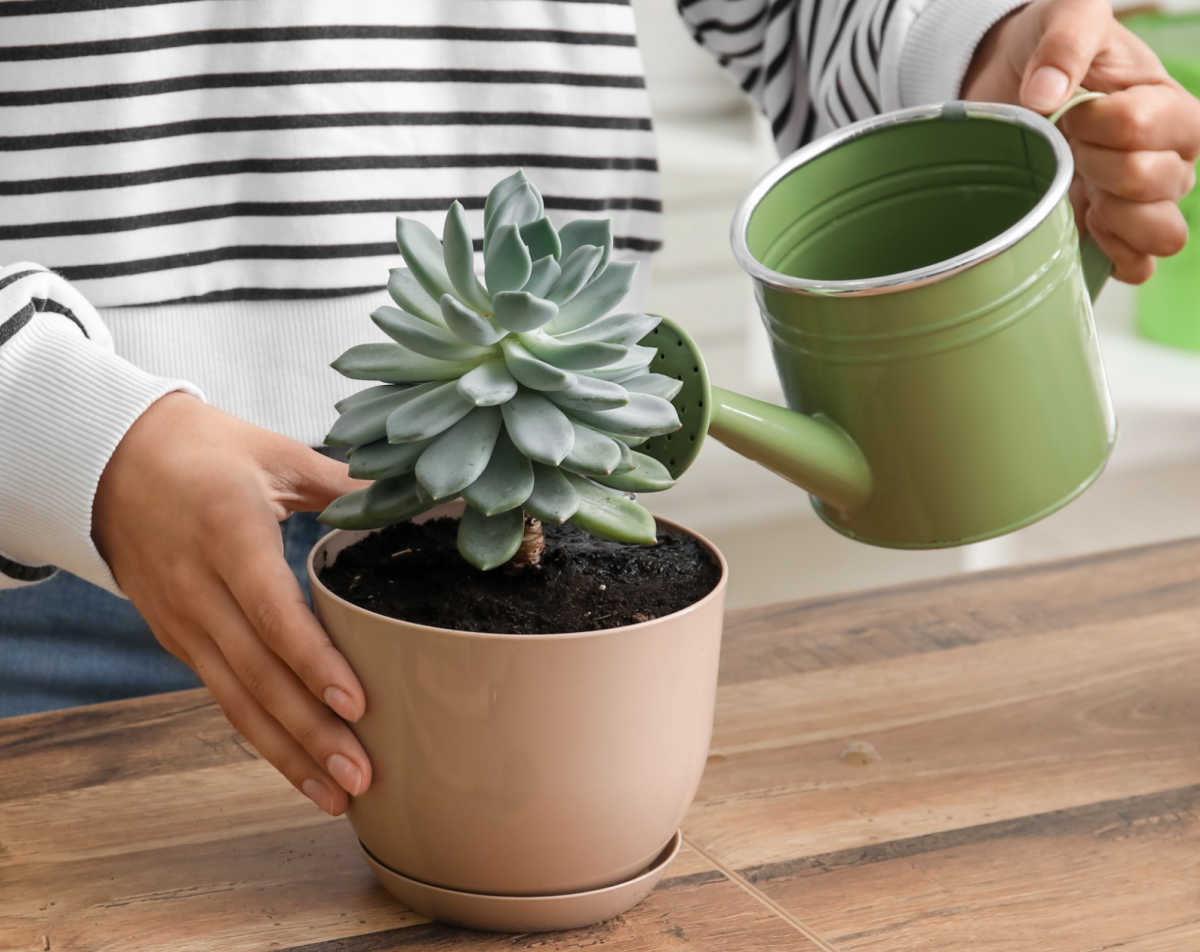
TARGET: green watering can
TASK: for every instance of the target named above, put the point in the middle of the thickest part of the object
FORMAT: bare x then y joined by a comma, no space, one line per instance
929,309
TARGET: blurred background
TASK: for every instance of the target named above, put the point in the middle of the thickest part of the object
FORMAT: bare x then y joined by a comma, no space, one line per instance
713,147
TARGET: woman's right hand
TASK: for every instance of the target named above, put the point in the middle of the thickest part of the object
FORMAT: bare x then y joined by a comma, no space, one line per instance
186,515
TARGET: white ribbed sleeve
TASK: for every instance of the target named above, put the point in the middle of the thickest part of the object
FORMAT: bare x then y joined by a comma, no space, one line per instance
931,61
66,400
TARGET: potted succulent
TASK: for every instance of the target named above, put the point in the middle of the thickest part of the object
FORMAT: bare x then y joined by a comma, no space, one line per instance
539,654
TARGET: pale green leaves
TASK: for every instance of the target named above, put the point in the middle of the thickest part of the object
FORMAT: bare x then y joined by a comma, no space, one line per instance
460,455
507,264
506,483
514,389
611,516
381,504
521,311
489,541
424,338
459,254
538,428
426,411
393,363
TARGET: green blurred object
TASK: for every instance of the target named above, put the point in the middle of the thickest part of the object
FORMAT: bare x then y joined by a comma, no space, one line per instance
1169,303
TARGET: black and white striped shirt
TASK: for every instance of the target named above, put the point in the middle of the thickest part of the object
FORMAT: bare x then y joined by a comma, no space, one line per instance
220,179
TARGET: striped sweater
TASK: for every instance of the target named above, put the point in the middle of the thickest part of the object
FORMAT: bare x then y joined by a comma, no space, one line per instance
209,186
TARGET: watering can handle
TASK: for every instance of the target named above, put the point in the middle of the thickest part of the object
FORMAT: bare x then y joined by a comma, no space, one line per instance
1096,265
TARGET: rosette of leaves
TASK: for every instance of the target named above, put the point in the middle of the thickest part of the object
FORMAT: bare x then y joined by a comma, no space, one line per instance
520,393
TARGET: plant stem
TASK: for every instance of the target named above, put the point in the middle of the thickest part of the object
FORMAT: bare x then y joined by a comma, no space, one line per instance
533,543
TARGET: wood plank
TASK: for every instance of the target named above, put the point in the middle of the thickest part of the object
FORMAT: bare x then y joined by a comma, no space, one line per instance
308,888
214,850
937,615
1123,874
83,746
966,736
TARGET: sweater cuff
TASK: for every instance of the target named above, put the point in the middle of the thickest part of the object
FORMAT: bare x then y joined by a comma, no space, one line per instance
940,44
68,402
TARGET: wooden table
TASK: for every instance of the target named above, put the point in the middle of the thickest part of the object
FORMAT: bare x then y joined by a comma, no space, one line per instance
1037,788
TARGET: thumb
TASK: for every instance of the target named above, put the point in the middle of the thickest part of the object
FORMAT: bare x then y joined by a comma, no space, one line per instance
1073,32
314,480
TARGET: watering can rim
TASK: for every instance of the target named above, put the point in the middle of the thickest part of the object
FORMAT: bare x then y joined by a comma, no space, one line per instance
904,280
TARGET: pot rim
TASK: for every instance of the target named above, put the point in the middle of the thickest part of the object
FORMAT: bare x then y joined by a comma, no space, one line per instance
929,274
717,591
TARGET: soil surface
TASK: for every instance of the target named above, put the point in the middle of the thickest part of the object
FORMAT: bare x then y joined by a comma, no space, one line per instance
414,572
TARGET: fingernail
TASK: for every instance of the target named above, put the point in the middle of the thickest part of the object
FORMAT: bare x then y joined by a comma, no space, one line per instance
1048,87
348,776
341,702
317,792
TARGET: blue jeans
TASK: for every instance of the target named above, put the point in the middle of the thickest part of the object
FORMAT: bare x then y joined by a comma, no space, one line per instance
65,642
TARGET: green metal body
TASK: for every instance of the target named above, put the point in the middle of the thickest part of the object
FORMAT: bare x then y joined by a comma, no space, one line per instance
929,311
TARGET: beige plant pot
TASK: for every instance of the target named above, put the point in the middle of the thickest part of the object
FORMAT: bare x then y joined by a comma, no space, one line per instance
526,765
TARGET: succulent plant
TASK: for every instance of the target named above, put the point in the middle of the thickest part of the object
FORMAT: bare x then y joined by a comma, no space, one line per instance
520,393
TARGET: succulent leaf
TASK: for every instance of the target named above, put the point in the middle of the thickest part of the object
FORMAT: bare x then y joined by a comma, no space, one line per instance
422,252
364,397
584,392
380,504
635,364
467,324
424,338
522,311
507,264
505,484
644,416
460,455
628,329
588,231
393,363
538,428
542,275
522,206
577,268
488,385
406,291
588,356
605,292
626,463
427,412
367,422
553,499
528,370
610,515
381,459
489,541
500,191
592,453
647,476
459,255
541,239
657,385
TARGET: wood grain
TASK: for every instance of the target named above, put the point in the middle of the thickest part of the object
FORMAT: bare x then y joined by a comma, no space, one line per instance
1039,771
1037,786
156,828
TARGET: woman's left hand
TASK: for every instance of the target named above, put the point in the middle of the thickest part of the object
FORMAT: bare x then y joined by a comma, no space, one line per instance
1135,150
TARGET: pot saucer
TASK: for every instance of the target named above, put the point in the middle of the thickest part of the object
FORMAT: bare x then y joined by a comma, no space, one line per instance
523,913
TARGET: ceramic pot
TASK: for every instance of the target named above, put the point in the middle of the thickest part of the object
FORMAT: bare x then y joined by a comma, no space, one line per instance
526,765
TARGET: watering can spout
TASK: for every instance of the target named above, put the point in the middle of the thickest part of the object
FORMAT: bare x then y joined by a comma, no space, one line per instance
811,451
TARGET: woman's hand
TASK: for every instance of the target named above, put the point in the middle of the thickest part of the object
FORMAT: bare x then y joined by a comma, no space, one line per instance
1135,150
186,515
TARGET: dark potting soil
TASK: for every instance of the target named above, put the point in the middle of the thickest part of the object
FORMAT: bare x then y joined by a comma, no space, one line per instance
415,572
